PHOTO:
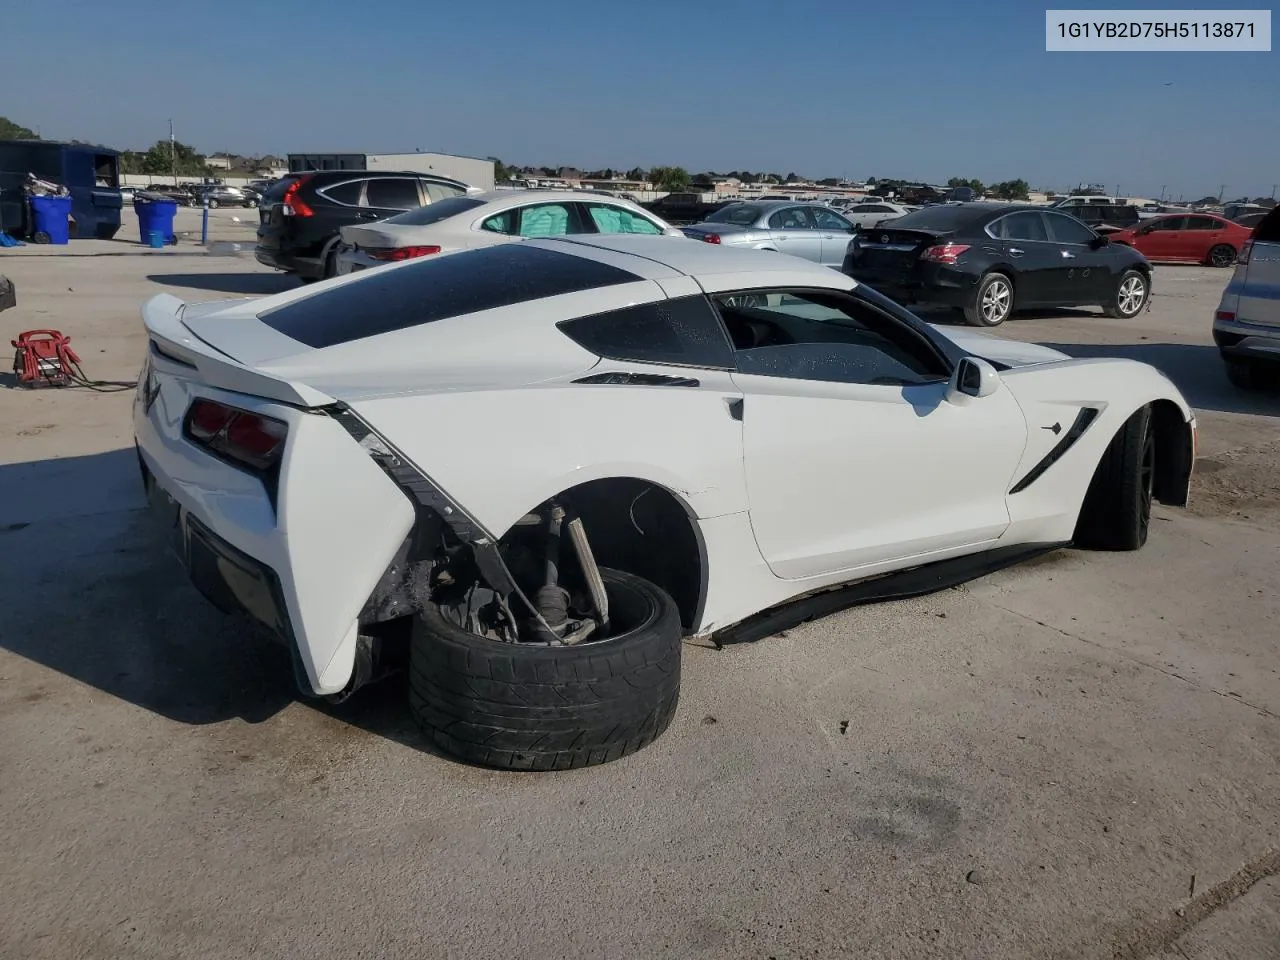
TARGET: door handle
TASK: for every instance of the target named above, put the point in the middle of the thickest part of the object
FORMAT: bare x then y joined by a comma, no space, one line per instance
1068,255
1015,252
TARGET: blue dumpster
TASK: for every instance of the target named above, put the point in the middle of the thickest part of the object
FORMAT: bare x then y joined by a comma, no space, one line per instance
155,216
51,216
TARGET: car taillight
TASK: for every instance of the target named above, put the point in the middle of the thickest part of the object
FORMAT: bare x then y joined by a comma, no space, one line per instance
248,438
944,252
396,254
295,206
1246,249
1226,315
711,238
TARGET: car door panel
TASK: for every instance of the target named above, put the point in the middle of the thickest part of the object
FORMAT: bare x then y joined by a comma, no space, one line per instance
842,476
835,232
1034,258
793,231
1081,275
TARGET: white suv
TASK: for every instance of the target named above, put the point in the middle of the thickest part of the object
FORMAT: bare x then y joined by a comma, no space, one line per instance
1246,326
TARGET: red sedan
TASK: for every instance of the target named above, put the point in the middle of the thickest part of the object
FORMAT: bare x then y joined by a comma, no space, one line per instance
1186,238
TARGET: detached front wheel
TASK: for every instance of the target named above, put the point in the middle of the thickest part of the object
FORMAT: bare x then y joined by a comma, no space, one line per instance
518,706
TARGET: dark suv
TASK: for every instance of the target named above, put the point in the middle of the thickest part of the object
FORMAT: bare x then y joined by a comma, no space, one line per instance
1104,217
301,215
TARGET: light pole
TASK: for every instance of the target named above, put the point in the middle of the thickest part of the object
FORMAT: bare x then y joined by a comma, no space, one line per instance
173,155
1162,188
1221,192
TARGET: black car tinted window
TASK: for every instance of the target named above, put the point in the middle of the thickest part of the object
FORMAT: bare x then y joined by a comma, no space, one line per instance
1027,225
392,193
424,291
1068,230
347,193
680,332
435,212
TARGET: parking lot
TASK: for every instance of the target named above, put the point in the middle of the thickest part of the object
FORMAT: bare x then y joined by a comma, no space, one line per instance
1075,758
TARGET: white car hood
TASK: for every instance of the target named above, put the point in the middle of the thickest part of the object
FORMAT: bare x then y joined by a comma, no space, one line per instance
1013,353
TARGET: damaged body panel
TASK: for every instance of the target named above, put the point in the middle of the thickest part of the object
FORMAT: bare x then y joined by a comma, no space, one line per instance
548,443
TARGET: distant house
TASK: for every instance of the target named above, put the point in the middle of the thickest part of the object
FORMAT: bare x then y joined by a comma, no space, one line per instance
219,161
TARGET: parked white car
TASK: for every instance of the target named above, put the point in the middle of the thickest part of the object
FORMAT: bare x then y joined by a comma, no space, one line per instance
500,216
869,214
537,467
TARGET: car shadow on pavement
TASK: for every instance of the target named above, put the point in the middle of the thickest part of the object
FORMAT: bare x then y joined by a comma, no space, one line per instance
90,590
1196,369
244,284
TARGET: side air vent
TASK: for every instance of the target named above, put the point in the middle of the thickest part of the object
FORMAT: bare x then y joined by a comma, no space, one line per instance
1083,419
640,379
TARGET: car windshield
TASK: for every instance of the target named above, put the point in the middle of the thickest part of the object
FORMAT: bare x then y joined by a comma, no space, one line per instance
743,215
435,212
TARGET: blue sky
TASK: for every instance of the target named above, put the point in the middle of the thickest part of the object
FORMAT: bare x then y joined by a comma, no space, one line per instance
921,90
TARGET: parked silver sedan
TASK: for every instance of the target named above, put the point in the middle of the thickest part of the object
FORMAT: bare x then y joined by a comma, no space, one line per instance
806,230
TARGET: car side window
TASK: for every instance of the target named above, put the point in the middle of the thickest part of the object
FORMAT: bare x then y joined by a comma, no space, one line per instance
825,336
1169,223
1027,225
392,193
547,220
441,191
347,193
791,218
611,219
505,222
682,332
830,220
1202,223
1069,230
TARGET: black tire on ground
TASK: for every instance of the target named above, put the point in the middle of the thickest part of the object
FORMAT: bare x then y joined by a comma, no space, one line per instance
1116,514
523,707
1248,374
41,237
1223,255
992,303
1132,292
213,204
331,263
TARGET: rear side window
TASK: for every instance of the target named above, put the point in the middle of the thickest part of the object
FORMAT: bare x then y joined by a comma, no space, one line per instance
428,290
739,213
682,332
347,193
441,191
610,219
392,193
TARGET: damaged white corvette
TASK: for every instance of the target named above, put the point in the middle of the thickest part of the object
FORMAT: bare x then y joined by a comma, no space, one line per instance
529,472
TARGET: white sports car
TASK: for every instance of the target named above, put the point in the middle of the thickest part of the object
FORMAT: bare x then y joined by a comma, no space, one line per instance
533,469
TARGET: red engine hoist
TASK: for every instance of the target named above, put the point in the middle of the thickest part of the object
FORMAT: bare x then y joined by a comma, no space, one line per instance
44,358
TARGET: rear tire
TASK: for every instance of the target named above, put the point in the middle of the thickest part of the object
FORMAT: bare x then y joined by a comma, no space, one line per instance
1223,255
1116,514
993,302
1248,374
518,706
213,204
1133,292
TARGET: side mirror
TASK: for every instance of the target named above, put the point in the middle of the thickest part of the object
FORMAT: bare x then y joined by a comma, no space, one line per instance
1098,242
973,379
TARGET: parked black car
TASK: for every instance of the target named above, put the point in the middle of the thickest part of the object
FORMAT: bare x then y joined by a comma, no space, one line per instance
990,259
301,215
224,196
1106,217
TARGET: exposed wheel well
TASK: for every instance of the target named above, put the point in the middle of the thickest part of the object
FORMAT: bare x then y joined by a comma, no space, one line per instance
644,529
1175,453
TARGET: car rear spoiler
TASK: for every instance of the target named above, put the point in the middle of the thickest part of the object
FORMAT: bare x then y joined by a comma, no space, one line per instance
178,351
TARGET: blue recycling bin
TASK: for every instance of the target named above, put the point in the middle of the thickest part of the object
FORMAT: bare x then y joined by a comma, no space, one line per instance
51,216
155,216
